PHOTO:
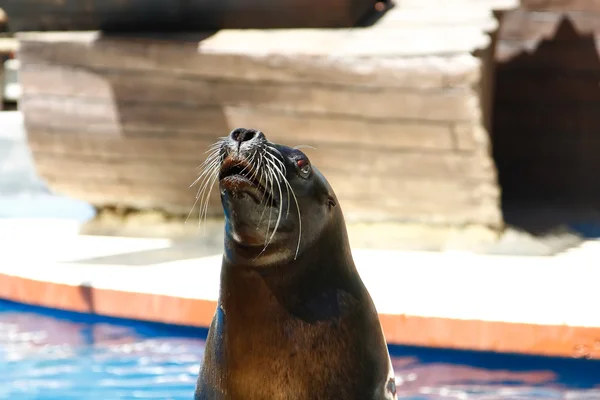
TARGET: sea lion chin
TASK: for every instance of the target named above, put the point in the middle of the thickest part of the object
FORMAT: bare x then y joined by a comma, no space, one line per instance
294,319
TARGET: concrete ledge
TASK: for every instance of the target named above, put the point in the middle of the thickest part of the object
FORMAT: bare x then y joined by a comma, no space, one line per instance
529,305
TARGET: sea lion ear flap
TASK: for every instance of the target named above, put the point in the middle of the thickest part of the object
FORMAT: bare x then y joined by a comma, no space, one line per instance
331,202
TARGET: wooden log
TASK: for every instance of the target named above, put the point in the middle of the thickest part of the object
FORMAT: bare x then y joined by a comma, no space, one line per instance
471,137
305,56
294,129
173,168
330,160
551,41
442,106
486,5
471,201
446,14
97,108
574,56
131,85
523,25
189,15
561,5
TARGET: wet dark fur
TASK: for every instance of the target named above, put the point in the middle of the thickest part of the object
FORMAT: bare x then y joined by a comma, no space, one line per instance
294,326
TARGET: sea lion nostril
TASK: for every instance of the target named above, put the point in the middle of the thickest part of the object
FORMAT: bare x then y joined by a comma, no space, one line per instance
243,135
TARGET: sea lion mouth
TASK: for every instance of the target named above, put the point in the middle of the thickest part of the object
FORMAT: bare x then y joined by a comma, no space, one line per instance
237,174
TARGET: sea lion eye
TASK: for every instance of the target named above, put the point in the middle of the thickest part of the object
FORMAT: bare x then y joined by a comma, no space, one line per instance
304,167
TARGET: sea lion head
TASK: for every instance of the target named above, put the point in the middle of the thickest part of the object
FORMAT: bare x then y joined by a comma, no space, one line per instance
276,202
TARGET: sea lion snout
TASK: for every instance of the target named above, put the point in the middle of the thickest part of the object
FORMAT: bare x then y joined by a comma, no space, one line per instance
242,139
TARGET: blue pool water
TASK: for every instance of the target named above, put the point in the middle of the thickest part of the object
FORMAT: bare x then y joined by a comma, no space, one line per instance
51,355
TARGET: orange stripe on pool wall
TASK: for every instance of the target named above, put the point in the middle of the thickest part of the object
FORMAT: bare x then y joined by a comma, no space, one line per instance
504,337
141,306
549,340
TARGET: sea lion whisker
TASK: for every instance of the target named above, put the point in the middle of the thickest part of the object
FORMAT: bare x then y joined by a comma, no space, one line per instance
207,201
248,165
209,160
271,147
256,163
207,167
191,211
274,155
282,173
304,146
206,174
290,188
273,180
254,171
213,151
204,200
210,175
283,168
207,170
270,199
267,238
203,176
217,145
264,197
280,209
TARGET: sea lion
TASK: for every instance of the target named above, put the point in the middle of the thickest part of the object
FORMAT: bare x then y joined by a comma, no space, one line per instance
294,319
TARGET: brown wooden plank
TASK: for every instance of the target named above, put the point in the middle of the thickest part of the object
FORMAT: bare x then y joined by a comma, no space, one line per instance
174,200
281,128
471,137
562,5
522,24
110,91
134,153
192,15
464,202
137,119
575,56
476,210
183,55
193,144
100,146
381,164
132,118
294,129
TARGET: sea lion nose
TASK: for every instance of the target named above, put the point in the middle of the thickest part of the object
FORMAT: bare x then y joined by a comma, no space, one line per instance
241,135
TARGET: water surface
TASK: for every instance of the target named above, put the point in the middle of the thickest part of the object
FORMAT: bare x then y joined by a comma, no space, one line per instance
51,355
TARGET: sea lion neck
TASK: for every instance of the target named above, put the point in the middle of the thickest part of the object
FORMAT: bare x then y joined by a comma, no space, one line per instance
306,288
